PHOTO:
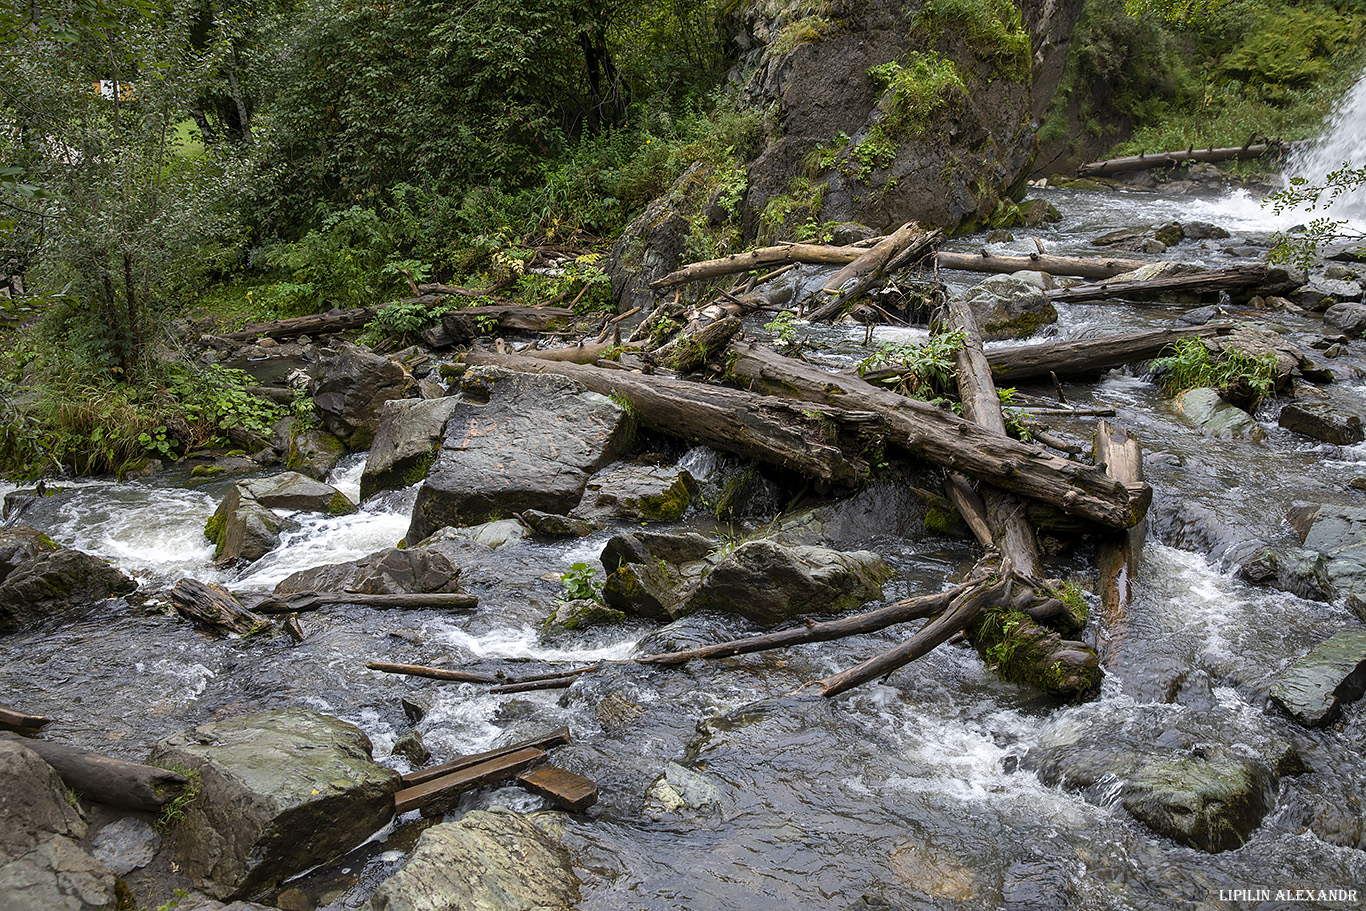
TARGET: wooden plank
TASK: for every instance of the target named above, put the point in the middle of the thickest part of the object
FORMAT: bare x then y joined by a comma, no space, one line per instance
547,742
436,795
567,790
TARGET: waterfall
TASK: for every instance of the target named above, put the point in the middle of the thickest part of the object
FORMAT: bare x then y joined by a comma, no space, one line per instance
1343,140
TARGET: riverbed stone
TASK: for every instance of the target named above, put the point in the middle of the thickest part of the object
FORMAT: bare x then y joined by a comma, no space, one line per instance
1329,529
1205,779
1011,306
516,441
553,525
489,860
395,571
281,791
638,492
242,529
350,386
1350,318
1315,687
42,868
312,450
291,490
1204,408
1258,342
38,579
126,844
652,574
406,443
1321,421
1297,570
770,582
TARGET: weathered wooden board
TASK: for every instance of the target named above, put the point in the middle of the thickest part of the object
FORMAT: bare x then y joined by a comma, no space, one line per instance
567,790
436,796
549,741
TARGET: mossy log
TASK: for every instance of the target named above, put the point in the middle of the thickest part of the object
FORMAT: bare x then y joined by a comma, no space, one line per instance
770,430
697,344
1022,650
942,437
295,326
468,323
101,779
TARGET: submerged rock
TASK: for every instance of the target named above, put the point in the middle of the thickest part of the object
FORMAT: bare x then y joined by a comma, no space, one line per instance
552,525
1320,421
1205,409
42,868
408,571
1348,317
488,861
281,792
1315,687
39,579
532,445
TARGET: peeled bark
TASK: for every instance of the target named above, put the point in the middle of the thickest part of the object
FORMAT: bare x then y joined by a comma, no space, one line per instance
214,607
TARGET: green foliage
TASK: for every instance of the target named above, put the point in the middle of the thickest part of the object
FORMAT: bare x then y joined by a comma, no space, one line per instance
173,811
1302,249
579,584
800,31
925,371
992,28
1239,377
916,90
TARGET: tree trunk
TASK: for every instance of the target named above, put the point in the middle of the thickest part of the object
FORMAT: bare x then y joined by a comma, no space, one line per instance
758,259
214,607
309,601
108,781
1143,162
1117,557
942,437
468,323
14,720
769,430
1092,267
868,269
1234,278
317,324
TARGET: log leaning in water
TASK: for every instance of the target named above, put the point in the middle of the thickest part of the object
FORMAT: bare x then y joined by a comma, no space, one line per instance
942,437
101,779
1117,556
214,607
310,601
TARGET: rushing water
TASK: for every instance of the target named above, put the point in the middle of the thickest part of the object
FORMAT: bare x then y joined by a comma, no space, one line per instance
1343,145
908,792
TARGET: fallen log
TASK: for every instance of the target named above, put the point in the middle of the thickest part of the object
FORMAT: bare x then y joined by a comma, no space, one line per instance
1211,281
14,720
581,353
468,323
1091,267
309,601
946,439
112,782
433,673
766,429
758,259
693,347
316,324
434,797
545,742
1117,557
1144,162
868,269
215,608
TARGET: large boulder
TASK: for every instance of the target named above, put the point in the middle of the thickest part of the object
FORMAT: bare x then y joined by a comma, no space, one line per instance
1204,408
406,443
280,793
1315,687
1349,317
938,109
389,572
311,450
38,579
350,386
770,583
291,490
245,527
42,868
1202,778
651,575
655,243
487,861
1321,421
1011,306
533,443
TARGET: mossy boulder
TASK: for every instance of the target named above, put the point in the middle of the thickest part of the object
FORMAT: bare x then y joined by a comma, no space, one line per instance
39,579
1011,306
350,386
1207,410
312,451
638,492
294,491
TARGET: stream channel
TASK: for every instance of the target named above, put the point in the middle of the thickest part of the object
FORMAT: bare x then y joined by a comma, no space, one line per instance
901,794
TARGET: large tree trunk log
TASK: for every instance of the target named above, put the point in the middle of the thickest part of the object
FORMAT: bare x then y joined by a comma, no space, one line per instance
468,323
1172,159
1092,267
214,607
1117,557
699,343
1212,281
108,781
766,429
310,601
758,259
946,439
317,324
869,268
546,742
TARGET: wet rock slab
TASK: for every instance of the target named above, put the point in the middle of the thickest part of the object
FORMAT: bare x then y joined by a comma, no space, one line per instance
41,866
532,444
1320,421
1205,409
643,492
126,844
1314,688
38,579
406,443
487,861
281,792
393,571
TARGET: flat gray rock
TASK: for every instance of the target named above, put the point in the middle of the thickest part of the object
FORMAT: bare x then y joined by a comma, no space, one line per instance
1314,688
126,844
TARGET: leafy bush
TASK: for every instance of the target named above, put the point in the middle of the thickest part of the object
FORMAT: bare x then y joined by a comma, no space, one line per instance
992,28
1239,377
579,585
926,371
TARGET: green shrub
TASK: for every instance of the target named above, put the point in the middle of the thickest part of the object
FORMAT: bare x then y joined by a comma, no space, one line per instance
992,28
1239,377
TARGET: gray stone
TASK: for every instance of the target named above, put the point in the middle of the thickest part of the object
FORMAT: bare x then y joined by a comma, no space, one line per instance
654,590
294,491
681,790
568,616
1258,343
1011,306
1202,230
1336,531
769,582
551,525
1205,409
1303,573
1313,689
411,748
1320,421
1203,778
40,580
1350,318
349,388
395,571
126,844
494,535
406,443
312,451
281,792
532,446
488,861
242,529
654,244
638,492
41,866
1037,885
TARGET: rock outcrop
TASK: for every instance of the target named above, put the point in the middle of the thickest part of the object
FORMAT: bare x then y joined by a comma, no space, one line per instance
39,579
350,386
280,792
1315,687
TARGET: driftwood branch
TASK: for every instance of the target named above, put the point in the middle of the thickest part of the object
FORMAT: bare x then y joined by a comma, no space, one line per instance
1117,557
1172,159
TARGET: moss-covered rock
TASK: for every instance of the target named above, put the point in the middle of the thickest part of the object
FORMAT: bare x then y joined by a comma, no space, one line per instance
638,492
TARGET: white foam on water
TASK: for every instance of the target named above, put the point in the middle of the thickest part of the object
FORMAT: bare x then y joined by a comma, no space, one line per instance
323,540
519,643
